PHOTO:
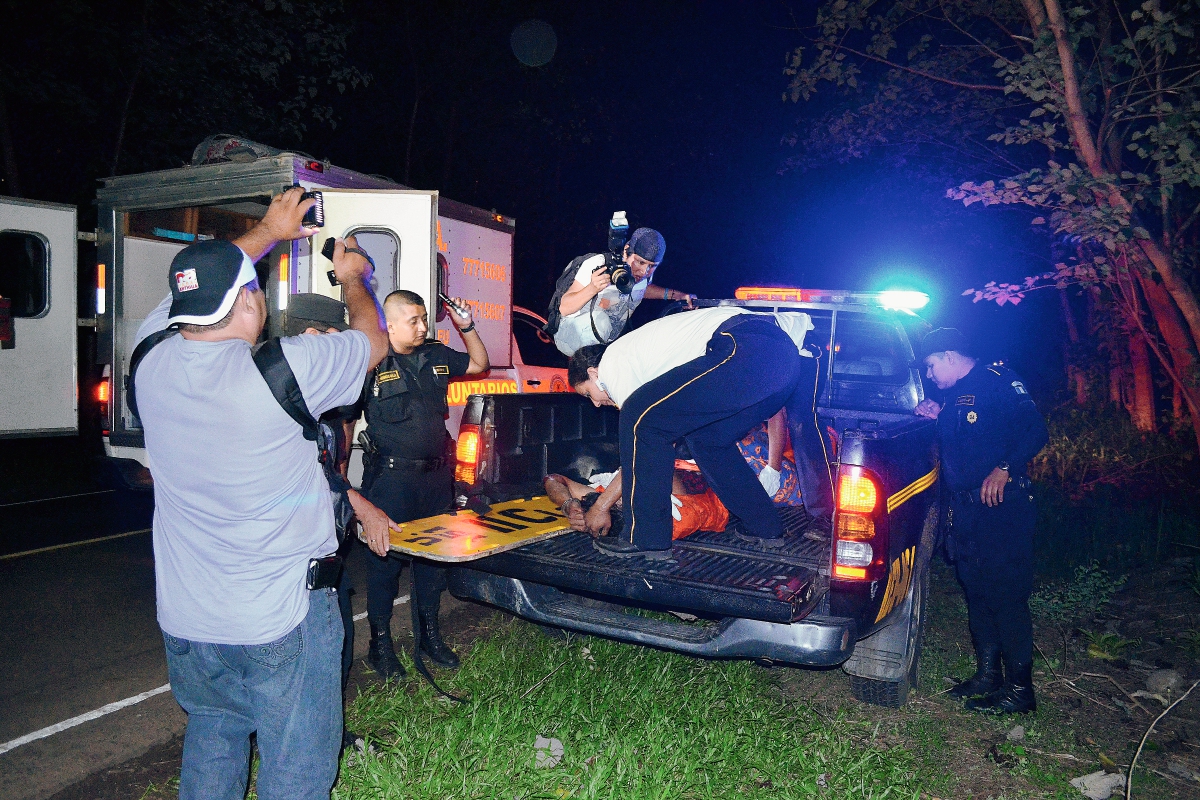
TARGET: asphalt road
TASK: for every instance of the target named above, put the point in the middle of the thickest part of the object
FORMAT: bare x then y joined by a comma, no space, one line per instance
78,632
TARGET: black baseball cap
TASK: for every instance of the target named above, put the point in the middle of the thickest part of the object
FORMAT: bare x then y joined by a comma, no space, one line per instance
205,278
649,244
942,340
313,311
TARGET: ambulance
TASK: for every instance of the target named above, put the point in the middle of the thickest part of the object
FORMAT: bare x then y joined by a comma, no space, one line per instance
419,241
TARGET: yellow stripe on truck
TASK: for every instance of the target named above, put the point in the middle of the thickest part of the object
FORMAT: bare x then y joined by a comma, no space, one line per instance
912,490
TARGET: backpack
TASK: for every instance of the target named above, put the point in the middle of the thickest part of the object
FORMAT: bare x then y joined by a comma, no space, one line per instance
565,281
282,382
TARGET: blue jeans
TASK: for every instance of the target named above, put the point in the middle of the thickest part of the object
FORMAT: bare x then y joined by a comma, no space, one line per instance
289,691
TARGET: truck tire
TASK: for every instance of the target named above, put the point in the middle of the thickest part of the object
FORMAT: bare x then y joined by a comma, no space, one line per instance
894,694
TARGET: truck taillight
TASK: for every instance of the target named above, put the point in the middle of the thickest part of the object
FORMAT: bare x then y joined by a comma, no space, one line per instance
101,286
858,536
285,286
102,391
467,453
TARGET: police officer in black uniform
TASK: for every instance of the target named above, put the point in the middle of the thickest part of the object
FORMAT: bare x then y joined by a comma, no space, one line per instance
988,429
410,462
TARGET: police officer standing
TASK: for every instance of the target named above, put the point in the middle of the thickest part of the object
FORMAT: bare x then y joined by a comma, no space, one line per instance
410,473
988,429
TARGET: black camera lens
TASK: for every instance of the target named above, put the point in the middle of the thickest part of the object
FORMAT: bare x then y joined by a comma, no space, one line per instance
622,278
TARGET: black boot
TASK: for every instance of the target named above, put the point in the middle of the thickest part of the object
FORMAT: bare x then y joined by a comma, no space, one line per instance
431,638
987,676
1014,697
381,655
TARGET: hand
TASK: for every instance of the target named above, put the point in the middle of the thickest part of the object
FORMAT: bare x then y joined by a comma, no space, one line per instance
928,408
574,512
598,520
284,215
600,279
461,322
676,505
992,491
376,528
350,266
769,478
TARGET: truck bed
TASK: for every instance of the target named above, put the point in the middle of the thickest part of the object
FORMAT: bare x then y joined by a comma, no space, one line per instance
711,573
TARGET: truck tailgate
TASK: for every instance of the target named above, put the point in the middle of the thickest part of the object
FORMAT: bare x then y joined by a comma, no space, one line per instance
710,573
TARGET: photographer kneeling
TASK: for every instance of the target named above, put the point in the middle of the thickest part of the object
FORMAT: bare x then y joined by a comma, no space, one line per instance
607,289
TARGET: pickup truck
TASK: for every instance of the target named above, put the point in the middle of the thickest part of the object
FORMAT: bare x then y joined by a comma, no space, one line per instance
856,599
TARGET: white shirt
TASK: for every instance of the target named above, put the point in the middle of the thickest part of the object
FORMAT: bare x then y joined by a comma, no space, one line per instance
610,311
240,502
660,346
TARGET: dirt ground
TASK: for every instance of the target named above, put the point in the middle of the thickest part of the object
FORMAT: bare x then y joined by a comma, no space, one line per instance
1093,711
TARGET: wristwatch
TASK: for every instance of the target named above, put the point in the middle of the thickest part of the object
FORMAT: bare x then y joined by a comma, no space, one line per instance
1002,465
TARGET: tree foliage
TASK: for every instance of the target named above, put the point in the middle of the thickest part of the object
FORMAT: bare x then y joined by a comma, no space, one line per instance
138,84
1086,116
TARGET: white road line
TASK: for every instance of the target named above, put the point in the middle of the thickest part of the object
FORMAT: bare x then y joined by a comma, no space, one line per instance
60,497
59,727
82,718
51,548
399,601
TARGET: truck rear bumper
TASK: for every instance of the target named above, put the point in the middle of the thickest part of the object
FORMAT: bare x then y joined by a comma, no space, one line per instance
813,641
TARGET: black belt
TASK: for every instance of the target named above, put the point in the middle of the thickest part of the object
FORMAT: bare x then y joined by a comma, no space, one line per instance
972,496
422,464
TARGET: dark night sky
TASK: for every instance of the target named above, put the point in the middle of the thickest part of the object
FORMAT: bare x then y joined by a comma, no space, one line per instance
672,111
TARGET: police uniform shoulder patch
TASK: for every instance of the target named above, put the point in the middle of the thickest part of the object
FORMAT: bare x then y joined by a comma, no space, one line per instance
1019,387
390,375
965,400
441,369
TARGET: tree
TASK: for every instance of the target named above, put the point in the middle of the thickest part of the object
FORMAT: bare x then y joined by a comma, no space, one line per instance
136,84
1087,116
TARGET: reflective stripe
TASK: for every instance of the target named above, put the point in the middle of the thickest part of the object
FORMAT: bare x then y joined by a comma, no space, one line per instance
912,490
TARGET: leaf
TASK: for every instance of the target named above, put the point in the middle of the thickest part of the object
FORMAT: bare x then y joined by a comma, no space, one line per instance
1038,221
1141,233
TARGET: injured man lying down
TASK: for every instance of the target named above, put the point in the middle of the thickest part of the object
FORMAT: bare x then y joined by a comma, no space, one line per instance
595,506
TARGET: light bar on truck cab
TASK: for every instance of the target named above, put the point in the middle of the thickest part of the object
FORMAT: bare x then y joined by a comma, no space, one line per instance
101,286
285,285
892,300
466,453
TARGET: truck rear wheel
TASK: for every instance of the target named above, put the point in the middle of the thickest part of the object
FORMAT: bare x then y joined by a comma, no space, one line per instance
894,694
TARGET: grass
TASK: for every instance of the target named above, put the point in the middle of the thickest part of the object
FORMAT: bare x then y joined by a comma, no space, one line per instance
633,723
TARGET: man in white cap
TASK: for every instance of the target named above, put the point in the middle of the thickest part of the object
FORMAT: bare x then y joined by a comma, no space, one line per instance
242,509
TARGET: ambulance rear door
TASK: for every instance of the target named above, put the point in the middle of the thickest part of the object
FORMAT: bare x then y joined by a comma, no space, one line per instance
396,226
38,366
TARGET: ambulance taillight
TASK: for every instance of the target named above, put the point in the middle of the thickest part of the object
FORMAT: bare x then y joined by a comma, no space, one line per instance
285,285
101,288
467,453
104,392
859,527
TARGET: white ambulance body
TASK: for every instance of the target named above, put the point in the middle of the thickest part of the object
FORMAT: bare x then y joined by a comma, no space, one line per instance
418,241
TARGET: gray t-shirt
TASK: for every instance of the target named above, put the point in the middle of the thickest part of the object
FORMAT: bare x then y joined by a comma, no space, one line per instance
609,313
240,502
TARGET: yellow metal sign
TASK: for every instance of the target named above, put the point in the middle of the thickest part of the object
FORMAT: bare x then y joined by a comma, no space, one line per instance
466,536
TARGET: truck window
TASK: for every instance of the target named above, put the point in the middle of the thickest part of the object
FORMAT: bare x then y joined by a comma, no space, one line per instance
871,365
385,251
25,273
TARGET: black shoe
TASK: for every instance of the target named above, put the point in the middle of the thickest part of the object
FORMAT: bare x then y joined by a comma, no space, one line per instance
1014,697
381,653
619,548
987,677
433,646
759,543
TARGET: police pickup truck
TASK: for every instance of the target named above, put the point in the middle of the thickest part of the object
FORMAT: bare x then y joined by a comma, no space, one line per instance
857,599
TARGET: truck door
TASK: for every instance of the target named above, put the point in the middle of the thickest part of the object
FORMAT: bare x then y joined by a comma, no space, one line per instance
397,227
38,394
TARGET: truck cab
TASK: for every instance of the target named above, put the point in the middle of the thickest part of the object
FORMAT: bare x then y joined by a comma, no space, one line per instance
855,599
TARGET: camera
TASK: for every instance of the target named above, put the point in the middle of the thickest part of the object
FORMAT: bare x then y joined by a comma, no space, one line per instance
315,216
614,259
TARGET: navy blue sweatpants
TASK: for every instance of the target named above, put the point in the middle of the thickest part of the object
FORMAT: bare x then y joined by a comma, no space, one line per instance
751,368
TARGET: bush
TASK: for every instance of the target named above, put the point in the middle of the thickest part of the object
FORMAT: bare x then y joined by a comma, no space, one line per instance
1086,594
1099,446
